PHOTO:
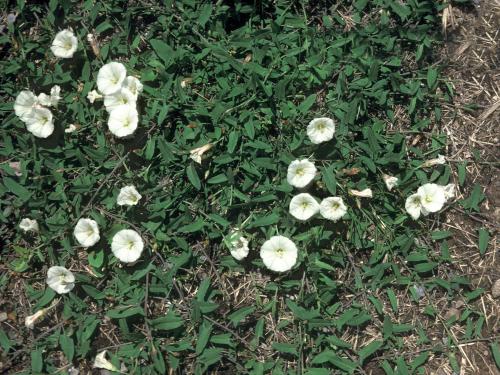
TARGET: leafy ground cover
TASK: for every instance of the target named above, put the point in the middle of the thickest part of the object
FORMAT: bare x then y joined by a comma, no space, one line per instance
247,79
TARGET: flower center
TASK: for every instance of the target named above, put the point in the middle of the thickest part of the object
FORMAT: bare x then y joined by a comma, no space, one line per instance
321,126
428,198
280,252
130,244
335,206
300,171
304,205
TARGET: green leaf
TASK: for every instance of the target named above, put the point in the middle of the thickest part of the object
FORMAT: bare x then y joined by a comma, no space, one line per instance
167,323
240,314
203,337
484,238
307,104
124,312
36,360
67,346
163,50
17,189
285,348
495,350
193,176
369,349
431,77
301,312
339,362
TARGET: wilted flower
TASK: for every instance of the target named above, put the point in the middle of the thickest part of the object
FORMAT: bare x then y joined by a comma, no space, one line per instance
332,208
123,121
432,198
52,99
39,122
197,153
439,160
25,101
30,321
28,225
390,181
128,196
133,85
127,245
93,43
110,77
71,128
303,206
366,193
449,191
60,279
119,98
238,245
279,253
93,95
87,232
321,130
300,173
413,205
101,362
64,44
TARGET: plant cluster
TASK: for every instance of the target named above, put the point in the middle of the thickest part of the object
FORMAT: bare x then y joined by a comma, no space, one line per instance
128,209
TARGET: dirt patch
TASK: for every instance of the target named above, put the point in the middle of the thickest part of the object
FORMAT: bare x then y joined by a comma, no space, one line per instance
472,124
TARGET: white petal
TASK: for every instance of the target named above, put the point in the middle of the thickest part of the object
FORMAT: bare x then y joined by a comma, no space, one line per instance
128,196
87,232
123,121
40,122
279,254
60,279
65,44
332,208
25,101
127,245
300,173
303,206
110,77
321,130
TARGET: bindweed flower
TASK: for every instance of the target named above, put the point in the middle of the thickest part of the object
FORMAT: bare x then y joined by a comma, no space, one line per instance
123,121
390,181
300,173
332,208
238,245
128,196
24,104
321,130
127,245
303,206
133,85
30,321
60,279
29,225
438,161
93,44
119,98
101,362
64,44
449,191
52,99
87,232
40,122
197,153
93,95
279,254
413,205
432,198
110,77
366,193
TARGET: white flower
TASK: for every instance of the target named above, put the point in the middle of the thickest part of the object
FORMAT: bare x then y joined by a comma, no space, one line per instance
39,122
449,191
366,193
134,85
52,99
413,205
432,198
197,153
119,98
93,95
28,224
390,181
71,128
60,279
64,44
123,120
238,245
87,232
332,208
300,173
101,362
30,321
25,101
127,245
303,206
321,130
438,161
279,253
110,77
128,196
